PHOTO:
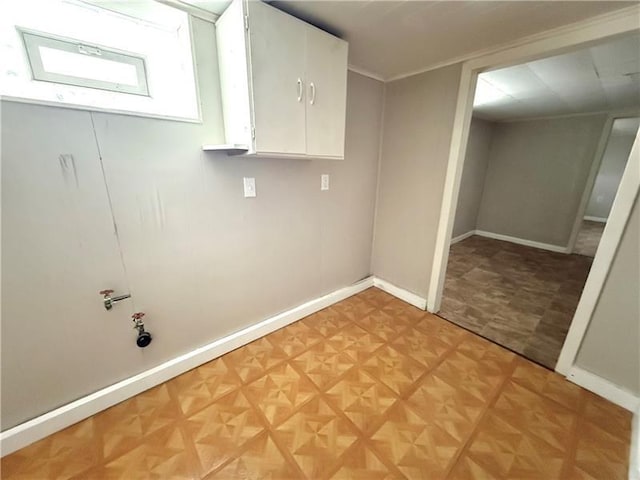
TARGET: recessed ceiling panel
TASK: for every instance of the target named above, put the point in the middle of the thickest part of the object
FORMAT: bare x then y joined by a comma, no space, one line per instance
595,79
515,80
612,55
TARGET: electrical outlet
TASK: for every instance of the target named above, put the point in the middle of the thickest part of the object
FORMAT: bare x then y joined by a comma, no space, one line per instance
324,181
249,187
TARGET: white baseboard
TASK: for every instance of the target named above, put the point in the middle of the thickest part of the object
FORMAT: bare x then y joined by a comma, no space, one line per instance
401,293
507,238
604,388
33,430
459,238
634,454
522,241
595,219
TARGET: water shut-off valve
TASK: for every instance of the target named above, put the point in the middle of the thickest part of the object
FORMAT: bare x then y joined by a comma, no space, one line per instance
108,300
144,338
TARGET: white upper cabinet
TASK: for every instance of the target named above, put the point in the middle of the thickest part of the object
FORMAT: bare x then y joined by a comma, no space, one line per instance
283,84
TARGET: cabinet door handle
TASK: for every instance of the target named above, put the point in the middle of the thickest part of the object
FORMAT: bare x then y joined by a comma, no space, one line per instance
300,90
312,86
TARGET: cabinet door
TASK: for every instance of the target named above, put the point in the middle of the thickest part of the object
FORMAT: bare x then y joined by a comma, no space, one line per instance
326,73
277,67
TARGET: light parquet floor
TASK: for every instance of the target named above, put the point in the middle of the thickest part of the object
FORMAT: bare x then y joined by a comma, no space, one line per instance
370,388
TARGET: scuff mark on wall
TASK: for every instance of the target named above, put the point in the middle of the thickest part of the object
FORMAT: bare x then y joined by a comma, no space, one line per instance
160,210
68,166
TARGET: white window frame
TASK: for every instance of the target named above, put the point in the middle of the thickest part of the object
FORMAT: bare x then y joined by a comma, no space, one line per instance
162,35
33,40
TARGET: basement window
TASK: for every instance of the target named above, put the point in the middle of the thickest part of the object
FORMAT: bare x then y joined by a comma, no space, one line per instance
102,55
73,63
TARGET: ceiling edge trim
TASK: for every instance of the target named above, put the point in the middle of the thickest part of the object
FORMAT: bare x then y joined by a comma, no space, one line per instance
621,14
191,10
366,73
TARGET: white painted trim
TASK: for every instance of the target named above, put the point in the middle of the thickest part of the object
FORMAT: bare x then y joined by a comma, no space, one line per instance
523,241
459,238
634,454
507,238
378,179
39,427
87,108
455,163
604,388
365,73
591,180
625,16
611,237
528,49
595,219
401,293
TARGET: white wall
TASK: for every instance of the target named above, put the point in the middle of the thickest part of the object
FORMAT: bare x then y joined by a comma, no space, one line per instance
536,177
611,345
605,187
200,260
473,176
418,118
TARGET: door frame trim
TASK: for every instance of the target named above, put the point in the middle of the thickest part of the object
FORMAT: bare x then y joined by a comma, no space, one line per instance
606,26
596,164
611,238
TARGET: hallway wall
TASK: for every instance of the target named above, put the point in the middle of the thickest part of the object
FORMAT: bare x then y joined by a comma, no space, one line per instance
611,346
418,120
536,176
605,187
473,176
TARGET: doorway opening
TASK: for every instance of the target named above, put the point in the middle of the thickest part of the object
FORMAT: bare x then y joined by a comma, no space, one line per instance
544,159
606,185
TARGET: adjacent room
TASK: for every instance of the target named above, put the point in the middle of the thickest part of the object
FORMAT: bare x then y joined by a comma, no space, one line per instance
246,239
614,160
532,208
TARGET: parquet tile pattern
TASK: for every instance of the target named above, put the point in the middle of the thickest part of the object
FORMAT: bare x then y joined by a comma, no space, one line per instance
521,297
370,388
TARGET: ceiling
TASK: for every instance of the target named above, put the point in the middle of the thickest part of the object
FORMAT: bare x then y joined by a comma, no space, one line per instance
213,6
395,38
624,127
604,77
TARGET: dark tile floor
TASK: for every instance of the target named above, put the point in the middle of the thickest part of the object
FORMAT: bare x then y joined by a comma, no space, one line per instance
520,297
589,238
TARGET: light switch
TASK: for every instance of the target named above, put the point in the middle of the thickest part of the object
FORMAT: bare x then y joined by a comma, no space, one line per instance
324,181
249,187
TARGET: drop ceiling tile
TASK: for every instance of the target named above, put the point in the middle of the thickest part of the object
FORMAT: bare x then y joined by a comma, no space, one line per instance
575,67
515,80
621,68
623,95
570,83
584,97
610,54
540,94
